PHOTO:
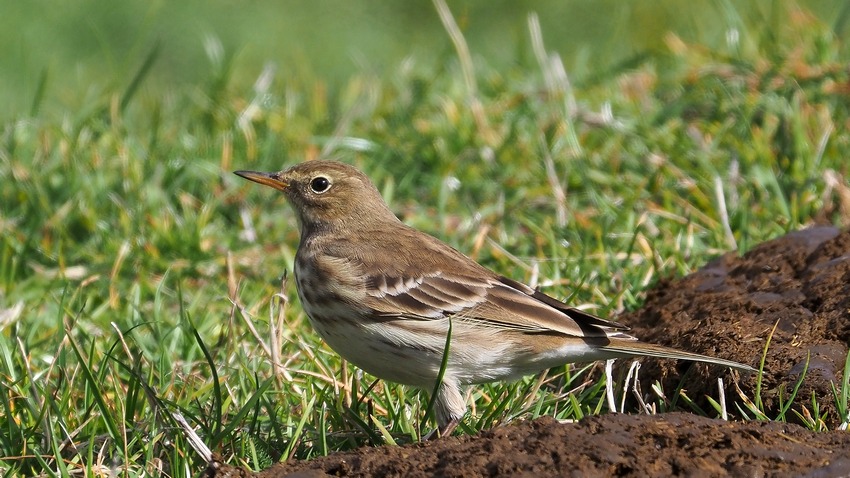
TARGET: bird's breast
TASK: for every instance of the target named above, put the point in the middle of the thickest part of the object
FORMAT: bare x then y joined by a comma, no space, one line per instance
330,288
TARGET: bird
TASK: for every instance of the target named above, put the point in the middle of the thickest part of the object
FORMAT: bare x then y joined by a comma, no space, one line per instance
390,298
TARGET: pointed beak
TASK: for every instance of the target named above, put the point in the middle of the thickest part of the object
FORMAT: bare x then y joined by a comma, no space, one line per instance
269,179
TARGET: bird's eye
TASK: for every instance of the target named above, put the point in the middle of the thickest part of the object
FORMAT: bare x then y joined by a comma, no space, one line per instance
320,184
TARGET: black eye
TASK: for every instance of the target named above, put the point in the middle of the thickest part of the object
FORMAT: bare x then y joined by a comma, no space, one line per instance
320,184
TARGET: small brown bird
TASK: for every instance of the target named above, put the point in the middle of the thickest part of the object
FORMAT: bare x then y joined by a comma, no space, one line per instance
384,296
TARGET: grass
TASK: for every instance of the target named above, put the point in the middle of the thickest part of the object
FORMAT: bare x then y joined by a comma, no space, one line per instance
139,277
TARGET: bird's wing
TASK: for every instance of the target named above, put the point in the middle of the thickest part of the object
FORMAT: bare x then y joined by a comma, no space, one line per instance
489,301
434,281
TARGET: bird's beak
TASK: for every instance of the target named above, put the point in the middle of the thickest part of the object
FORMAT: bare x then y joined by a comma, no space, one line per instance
269,179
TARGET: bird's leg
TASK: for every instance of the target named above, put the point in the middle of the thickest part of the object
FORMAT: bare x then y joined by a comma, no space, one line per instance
449,407
443,431
448,428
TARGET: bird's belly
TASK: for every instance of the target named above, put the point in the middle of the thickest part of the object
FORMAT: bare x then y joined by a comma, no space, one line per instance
411,352
367,347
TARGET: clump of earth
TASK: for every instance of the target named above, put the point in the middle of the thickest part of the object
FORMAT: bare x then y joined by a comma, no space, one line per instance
794,290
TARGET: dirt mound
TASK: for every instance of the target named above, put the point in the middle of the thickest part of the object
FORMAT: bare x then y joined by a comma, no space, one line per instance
799,283
679,444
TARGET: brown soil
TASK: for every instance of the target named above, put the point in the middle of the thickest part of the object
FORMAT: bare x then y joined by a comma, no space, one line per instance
799,283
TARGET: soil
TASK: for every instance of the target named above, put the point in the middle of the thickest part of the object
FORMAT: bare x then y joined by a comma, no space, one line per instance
793,291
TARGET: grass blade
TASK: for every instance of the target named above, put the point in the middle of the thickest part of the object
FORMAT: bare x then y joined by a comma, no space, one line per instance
140,75
443,364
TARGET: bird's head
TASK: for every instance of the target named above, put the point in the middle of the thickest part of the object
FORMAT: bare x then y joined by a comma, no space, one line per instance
327,194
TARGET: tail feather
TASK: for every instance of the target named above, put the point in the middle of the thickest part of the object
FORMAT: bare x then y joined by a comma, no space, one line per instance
632,349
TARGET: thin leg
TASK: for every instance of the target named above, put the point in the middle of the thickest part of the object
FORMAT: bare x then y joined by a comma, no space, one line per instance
448,428
449,407
443,431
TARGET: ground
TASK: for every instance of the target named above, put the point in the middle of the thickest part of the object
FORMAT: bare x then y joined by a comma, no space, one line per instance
799,284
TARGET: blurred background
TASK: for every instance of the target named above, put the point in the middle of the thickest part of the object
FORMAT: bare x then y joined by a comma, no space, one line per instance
62,54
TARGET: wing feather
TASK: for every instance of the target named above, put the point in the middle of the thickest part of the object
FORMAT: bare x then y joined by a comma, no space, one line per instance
496,302
469,292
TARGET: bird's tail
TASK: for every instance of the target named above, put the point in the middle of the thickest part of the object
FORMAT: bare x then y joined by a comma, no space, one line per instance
631,349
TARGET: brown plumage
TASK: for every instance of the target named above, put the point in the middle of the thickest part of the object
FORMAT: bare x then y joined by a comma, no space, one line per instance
382,294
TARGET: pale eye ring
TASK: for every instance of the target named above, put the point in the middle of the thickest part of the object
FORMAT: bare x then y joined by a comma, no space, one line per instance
320,184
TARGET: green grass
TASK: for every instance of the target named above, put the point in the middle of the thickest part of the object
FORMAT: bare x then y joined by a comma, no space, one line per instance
139,277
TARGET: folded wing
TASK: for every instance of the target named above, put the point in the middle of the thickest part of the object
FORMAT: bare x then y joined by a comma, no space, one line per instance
491,302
